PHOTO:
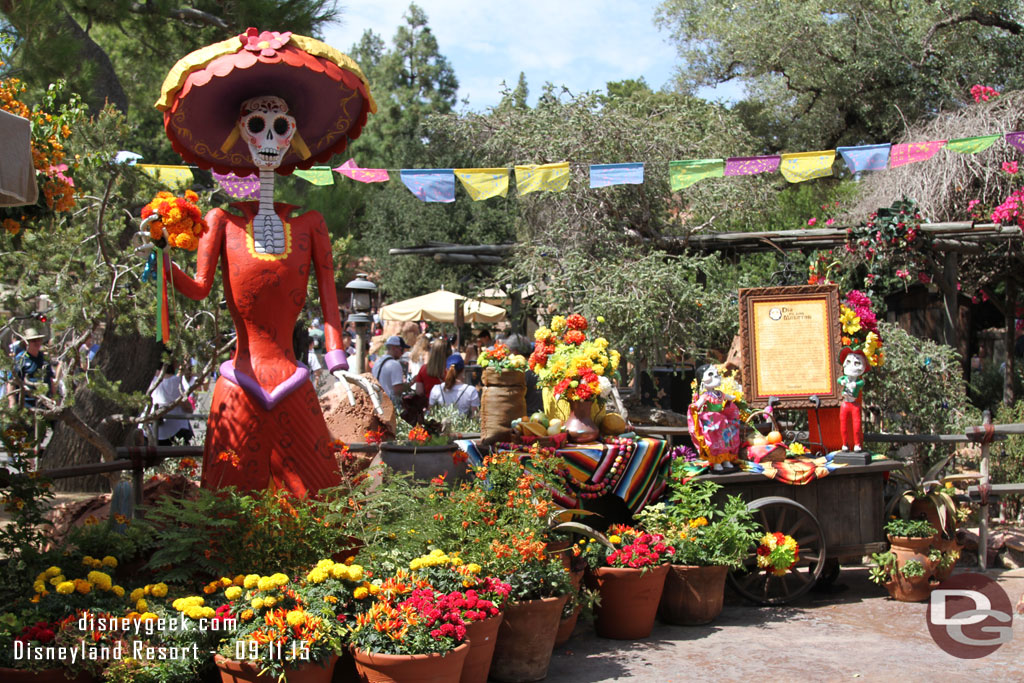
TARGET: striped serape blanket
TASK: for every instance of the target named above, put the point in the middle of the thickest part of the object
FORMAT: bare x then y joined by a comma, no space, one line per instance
634,469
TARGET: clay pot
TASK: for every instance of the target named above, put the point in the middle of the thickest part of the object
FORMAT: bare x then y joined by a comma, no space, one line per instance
693,595
562,550
482,635
234,671
43,676
425,462
374,667
525,640
945,545
580,425
922,508
566,626
916,589
629,600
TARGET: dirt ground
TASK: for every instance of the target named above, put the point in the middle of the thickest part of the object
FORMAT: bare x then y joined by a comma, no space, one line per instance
858,633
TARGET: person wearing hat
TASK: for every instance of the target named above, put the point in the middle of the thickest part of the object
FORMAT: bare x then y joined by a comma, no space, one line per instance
33,374
855,364
453,391
388,370
264,103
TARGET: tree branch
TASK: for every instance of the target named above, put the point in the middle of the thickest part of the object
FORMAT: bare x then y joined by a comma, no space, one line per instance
977,16
186,14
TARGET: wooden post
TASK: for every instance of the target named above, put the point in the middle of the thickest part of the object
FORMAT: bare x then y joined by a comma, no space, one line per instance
983,485
950,304
1009,333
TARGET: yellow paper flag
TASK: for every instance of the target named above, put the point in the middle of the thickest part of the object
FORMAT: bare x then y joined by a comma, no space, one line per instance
543,178
802,166
171,176
484,183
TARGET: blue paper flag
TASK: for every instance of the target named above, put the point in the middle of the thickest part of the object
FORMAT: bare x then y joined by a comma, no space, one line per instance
603,175
430,184
866,157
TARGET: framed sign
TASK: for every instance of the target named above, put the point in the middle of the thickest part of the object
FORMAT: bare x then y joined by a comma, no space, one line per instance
790,341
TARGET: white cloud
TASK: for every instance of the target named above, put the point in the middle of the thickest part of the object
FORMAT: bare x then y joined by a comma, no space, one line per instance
582,44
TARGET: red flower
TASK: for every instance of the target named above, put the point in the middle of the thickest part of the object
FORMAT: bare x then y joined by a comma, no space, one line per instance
374,436
576,322
266,43
418,434
575,337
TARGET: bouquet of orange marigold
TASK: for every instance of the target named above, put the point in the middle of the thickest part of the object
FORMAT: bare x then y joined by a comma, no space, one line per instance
568,363
179,216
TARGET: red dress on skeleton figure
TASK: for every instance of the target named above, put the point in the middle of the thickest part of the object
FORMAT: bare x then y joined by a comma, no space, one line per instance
264,407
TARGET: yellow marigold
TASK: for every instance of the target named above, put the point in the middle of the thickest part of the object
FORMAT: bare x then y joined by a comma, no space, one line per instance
331,599
247,614
266,583
269,602
141,605
210,589
558,324
158,590
194,612
317,575
325,564
257,603
52,572
279,579
57,579
415,564
339,571
87,560
373,588
147,616
541,334
360,593
118,591
351,558
251,581
615,539
136,595
66,587
39,586
355,573
225,582
100,580
295,618
239,580
473,568
109,561
233,593
83,586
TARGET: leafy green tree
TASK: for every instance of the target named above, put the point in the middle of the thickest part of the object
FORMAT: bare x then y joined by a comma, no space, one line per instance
820,74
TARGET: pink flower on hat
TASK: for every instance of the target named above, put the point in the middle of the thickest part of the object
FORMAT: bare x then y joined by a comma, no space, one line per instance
266,43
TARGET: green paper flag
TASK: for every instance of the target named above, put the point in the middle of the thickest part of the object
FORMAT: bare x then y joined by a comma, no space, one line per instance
685,173
318,175
972,145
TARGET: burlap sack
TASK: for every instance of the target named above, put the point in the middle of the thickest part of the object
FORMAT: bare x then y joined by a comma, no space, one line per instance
502,400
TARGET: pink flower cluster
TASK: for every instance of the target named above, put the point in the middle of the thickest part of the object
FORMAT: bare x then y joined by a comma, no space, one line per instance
646,550
1011,210
983,93
446,614
860,303
1010,167
42,632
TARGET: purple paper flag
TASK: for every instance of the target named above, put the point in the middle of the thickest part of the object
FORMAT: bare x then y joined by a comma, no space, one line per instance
866,157
1016,139
239,188
752,165
363,175
914,152
430,184
603,175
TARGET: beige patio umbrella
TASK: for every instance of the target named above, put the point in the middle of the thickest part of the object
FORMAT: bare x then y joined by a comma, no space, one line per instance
439,307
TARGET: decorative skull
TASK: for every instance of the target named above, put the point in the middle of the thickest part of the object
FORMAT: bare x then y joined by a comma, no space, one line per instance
711,379
268,130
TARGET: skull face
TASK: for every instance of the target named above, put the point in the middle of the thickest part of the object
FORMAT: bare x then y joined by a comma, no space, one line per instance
855,365
268,130
711,378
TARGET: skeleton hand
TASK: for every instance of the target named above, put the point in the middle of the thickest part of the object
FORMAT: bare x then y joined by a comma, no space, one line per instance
366,385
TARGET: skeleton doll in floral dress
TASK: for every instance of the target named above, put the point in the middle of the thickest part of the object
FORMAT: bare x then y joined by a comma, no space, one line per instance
714,421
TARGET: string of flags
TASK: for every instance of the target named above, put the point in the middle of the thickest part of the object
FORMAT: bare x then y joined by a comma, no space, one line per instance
438,184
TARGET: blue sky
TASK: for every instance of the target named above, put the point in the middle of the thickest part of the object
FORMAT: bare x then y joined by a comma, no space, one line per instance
581,44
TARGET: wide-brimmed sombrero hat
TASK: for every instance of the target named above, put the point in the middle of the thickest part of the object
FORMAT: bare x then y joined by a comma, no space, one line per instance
326,92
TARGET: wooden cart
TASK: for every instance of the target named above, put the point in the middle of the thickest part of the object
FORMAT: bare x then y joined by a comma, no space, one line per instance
840,515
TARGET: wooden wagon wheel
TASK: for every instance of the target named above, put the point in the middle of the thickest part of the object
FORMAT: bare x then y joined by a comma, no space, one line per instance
775,513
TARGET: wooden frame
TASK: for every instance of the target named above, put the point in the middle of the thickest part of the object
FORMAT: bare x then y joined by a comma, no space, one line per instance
790,341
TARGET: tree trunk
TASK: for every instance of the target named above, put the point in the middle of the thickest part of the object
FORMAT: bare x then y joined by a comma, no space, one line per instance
131,360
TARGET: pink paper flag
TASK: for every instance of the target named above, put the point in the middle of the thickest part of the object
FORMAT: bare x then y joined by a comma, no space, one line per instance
752,165
363,175
914,152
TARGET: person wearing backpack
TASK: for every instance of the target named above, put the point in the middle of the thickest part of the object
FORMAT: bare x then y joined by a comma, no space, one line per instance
388,370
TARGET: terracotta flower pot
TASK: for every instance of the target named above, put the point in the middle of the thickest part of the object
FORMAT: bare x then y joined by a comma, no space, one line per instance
425,462
525,640
566,626
234,671
374,667
43,676
482,635
629,601
910,589
945,545
693,595
579,424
